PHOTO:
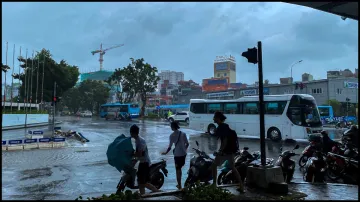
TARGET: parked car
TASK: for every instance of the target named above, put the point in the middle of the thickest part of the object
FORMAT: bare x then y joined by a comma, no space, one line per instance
179,117
86,114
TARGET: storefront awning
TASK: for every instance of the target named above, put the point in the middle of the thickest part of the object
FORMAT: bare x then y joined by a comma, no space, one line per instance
344,9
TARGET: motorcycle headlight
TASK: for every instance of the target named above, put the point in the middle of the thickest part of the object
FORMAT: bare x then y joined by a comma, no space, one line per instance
322,170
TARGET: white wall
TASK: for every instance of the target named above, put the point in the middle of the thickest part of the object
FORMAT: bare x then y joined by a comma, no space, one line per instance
19,119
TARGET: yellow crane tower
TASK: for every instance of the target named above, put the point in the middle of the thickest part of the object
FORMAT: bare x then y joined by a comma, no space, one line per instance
102,53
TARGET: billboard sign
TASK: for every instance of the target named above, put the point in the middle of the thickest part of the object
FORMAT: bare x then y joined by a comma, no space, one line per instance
221,66
250,92
350,84
220,94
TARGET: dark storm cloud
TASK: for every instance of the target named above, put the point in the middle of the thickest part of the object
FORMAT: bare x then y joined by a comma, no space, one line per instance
186,36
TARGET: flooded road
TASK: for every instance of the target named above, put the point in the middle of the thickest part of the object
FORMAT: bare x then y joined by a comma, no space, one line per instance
82,169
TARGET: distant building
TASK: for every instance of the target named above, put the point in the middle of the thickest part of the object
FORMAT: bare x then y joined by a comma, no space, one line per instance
215,84
172,76
346,73
287,80
225,67
307,77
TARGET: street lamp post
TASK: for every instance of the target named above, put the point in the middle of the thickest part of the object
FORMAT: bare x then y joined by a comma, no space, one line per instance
291,76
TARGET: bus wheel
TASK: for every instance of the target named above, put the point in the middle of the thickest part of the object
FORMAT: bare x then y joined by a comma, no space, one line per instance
274,134
211,129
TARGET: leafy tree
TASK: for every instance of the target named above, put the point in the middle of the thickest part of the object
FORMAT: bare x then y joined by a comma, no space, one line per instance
93,94
138,78
72,99
266,82
336,105
117,81
4,68
64,74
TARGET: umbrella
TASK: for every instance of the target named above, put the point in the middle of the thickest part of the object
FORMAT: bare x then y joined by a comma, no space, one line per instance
120,152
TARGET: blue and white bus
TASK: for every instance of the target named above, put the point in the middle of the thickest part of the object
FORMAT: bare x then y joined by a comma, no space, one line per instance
113,108
326,112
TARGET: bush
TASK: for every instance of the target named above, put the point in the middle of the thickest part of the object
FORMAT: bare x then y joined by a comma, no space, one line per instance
152,116
199,191
128,195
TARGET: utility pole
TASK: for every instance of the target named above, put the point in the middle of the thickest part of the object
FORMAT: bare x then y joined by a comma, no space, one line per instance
12,81
31,86
54,100
254,55
42,84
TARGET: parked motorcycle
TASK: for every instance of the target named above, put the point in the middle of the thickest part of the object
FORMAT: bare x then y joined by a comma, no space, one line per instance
157,172
315,168
307,153
351,137
287,164
343,124
242,160
200,167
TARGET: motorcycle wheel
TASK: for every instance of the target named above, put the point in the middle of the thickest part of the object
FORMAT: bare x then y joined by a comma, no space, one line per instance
220,178
302,161
332,174
157,180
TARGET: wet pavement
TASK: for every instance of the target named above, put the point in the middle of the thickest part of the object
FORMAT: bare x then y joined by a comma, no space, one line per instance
82,169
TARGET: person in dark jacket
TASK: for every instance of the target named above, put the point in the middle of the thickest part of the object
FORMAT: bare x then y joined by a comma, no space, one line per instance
222,131
327,142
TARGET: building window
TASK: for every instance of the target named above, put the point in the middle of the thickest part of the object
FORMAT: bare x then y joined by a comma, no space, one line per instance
339,91
224,74
317,91
218,75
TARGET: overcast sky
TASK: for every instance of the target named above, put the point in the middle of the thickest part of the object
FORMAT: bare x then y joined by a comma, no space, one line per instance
185,36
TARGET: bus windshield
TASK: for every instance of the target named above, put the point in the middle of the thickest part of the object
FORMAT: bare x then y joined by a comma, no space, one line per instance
324,111
303,111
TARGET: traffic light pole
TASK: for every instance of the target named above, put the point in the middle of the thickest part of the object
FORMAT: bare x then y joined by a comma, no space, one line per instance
53,128
261,106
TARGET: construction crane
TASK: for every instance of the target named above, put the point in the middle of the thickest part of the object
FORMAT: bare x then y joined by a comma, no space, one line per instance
102,53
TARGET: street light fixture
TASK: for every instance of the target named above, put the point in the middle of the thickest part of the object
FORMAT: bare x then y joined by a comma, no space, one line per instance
297,62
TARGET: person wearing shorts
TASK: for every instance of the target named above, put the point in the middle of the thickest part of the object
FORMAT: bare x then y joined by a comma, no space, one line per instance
144,161
222,132
180,151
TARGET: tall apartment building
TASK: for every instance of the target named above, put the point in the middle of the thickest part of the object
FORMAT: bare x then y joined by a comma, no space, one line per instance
172,76
225,67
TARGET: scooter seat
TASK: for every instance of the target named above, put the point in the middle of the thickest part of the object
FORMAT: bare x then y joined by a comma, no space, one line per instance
155,164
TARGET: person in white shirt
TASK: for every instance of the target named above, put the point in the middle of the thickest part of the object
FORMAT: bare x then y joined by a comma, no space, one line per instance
180,151
142,153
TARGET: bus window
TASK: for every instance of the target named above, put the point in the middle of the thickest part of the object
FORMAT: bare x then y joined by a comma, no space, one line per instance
275,107
198,108
104,109
232,108
124,108
309,115
134,106
324,111
213,107
251,108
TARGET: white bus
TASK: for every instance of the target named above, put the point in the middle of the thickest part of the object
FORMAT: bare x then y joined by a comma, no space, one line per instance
293,116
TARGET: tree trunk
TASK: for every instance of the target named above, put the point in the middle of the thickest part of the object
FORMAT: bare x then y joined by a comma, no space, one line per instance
143,104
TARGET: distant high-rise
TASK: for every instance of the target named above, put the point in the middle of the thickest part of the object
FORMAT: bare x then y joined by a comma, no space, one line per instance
287,80
307,77
225,67
172,76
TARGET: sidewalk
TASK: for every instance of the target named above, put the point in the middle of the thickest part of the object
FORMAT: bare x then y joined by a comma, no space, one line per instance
28,126
297,191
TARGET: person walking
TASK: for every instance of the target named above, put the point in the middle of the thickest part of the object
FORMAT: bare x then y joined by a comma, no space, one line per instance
229,146
142,153
180,151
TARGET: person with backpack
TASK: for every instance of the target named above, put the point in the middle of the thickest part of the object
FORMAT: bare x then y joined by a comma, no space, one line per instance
229,146
180,151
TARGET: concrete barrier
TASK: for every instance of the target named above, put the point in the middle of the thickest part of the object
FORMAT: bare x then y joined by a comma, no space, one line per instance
4,147
58,142
19,119
15,145
45,143
31,144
